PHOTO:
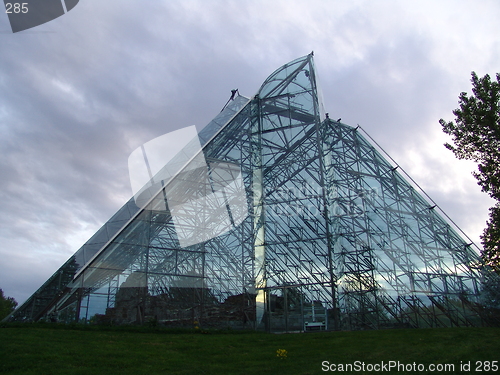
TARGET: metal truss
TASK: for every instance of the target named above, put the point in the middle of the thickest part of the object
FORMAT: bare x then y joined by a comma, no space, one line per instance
335,238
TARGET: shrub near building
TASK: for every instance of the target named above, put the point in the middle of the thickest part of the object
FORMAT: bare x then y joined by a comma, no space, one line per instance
7,305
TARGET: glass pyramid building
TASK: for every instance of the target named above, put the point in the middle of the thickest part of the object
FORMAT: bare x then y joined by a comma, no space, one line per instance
275,218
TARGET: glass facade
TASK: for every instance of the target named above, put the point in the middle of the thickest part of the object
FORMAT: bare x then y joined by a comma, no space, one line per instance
283,221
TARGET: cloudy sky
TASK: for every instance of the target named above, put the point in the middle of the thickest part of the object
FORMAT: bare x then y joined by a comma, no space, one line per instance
80,93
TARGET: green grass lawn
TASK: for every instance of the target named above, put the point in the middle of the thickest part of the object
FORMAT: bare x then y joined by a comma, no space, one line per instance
52,350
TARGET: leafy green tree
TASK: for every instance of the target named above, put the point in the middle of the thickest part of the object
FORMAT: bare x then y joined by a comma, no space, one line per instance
476,136
7,305
491,238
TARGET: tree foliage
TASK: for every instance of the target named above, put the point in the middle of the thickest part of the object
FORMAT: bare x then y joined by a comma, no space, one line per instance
491,237
7,305
476,136
476,131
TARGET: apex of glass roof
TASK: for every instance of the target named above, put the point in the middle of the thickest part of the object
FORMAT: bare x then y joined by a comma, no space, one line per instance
296,75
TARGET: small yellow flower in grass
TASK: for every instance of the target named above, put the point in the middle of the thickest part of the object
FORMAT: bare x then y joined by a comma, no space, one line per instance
281,353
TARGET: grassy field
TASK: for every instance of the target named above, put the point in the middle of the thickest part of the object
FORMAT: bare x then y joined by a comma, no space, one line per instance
55,350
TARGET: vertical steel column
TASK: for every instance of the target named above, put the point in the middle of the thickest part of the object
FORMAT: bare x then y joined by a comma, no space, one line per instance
258,212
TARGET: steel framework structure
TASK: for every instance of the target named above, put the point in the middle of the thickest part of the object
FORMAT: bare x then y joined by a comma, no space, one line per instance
335,237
